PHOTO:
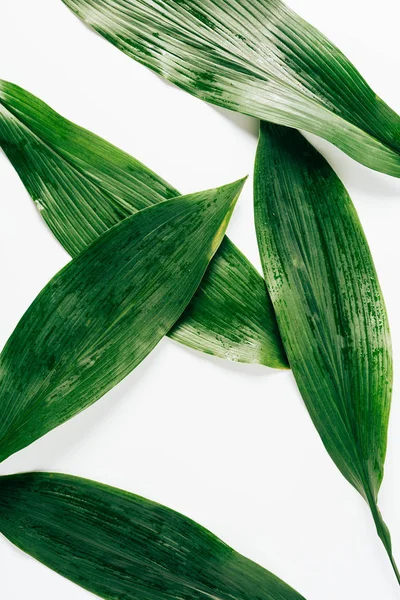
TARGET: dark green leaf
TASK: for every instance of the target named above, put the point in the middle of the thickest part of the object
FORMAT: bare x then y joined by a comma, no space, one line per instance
256,57
102,314
123,547
83,185
328,303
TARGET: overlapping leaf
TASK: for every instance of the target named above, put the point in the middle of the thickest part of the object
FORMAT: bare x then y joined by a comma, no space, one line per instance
122,547
101,315
256,57
83,185
329,305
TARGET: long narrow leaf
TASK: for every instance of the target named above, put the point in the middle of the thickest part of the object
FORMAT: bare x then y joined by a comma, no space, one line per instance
101,315
82,186
256,57
329,305
123,547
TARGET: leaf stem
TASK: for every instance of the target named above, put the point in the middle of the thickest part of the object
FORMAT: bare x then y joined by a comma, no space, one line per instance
383,533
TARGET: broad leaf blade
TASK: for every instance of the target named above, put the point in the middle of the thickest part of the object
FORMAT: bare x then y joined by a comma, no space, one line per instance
256,57
82,186
122,547
101,315
328,302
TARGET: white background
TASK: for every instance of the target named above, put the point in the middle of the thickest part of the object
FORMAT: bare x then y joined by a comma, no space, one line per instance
229,445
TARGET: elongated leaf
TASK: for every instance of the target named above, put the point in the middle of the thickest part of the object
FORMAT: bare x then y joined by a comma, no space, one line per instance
256,57
101,315
122,547
83,185
328,302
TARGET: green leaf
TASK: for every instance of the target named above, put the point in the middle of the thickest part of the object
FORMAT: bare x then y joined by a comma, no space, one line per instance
123,547
328,303
256,57
82,186
102,314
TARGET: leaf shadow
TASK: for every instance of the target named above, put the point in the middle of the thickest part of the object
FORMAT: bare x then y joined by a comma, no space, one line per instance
354,175
70,437
247,124
237,368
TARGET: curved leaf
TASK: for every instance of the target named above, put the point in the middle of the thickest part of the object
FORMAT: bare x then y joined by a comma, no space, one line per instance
123,547
82,186
102,314
329,305
256,57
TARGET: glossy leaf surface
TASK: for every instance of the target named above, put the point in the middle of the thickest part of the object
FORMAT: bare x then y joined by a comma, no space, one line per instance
121,546
82,186
256,57
101,315
329,305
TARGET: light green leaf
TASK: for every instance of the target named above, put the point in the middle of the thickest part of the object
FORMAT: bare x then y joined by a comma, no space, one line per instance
123,547
328,303
82,186
256,57
102,314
